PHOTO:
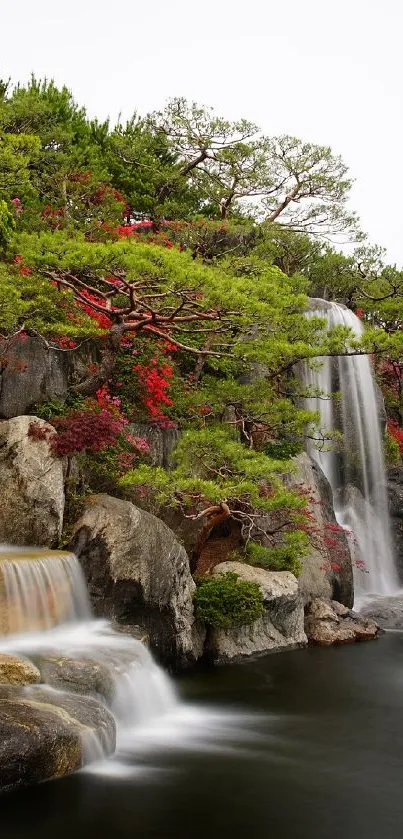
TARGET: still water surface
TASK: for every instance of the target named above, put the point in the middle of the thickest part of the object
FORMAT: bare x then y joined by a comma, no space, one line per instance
301,745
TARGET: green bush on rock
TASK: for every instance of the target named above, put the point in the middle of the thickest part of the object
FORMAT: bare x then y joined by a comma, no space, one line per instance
227,601
284,557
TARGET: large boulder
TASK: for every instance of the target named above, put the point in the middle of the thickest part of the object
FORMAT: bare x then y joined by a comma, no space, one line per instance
328,623
46,734
281,626
327,570
138,573
31,372
31,484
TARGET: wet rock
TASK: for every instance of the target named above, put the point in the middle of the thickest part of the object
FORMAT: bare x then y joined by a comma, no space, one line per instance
134,631
327,570
281,626
78,675
326,624
17,671
138,573
31,486
386,611
394,490
45,734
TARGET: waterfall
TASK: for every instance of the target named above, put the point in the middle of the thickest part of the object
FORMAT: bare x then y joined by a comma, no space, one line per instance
45,608
40,590
45,613
354,466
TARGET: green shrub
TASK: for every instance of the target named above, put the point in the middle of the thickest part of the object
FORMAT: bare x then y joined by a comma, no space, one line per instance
284,557
282,449
391,449
227,601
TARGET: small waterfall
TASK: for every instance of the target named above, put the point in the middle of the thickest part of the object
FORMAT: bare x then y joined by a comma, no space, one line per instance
44,608
45,615
354,467
39,590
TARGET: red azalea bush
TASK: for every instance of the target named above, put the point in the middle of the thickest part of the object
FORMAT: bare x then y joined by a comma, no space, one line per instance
397,433
154,381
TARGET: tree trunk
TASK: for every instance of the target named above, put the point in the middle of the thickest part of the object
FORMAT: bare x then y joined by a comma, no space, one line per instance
219,514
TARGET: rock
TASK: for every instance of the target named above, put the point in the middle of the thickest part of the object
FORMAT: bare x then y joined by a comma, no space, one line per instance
134,631
17,671
386,611
161,441
137,572
341,611
78,675
31,486
281,625
46,734
330,623
33,373
394,488
327,570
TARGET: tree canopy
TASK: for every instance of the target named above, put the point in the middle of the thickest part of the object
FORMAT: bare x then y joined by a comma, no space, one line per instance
185,247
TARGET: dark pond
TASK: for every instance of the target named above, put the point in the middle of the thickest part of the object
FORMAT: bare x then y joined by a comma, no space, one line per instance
316,752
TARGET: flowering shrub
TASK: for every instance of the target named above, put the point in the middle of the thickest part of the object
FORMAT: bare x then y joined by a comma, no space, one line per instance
154,381
396,433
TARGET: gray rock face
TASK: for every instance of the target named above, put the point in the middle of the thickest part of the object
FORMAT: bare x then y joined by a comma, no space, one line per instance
395,497
327,567
162,441
328,623
31,486
33,373
281,626
386,611
137,572
44,734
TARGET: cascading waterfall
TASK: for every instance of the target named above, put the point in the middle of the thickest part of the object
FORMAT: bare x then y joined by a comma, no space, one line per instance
355,468
40,590
45,612
44,607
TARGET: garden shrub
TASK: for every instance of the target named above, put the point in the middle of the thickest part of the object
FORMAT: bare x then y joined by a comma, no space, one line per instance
227,601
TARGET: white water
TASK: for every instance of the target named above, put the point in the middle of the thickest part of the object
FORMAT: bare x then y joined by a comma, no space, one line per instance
41,588
355,467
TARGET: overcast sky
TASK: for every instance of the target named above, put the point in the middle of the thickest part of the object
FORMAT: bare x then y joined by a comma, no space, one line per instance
328,71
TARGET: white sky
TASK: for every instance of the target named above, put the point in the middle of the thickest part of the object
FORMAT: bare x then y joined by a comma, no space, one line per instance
328,71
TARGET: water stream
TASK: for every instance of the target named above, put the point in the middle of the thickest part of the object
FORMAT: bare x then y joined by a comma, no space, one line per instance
45,610
320,759
355,466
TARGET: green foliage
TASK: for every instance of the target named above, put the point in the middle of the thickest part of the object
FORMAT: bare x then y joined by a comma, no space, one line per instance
227,314
226,601
391,450
7,225
30,301
285,557
212,466
282,449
